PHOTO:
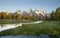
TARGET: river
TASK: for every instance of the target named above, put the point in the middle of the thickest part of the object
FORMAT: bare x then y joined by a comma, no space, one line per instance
10,26
30,36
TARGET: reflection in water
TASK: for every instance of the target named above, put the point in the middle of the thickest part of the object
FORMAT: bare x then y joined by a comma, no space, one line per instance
43,36
8,26
59,36
27,36
54,36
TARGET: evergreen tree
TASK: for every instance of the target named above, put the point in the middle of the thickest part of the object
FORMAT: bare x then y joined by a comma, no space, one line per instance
57,14
52,15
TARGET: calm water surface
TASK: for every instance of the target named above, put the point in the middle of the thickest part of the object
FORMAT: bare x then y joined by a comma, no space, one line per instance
27,36
30,36
10,26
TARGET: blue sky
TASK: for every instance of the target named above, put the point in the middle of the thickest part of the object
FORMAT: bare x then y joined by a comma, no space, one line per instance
14,5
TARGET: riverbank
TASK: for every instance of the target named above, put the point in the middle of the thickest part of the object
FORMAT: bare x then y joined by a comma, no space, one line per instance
47,27
13,21
8,26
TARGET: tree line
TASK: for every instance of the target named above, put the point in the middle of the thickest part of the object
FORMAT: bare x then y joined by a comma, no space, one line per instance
55,15
4,15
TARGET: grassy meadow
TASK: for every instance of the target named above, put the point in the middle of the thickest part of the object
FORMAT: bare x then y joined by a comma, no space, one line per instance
47,27
13,21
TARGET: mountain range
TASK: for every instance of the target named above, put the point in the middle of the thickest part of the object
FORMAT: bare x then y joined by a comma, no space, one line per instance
36,13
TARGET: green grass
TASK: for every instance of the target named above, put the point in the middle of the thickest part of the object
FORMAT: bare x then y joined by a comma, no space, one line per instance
47,27
11,21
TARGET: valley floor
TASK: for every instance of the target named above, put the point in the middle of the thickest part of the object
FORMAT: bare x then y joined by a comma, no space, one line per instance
47,27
